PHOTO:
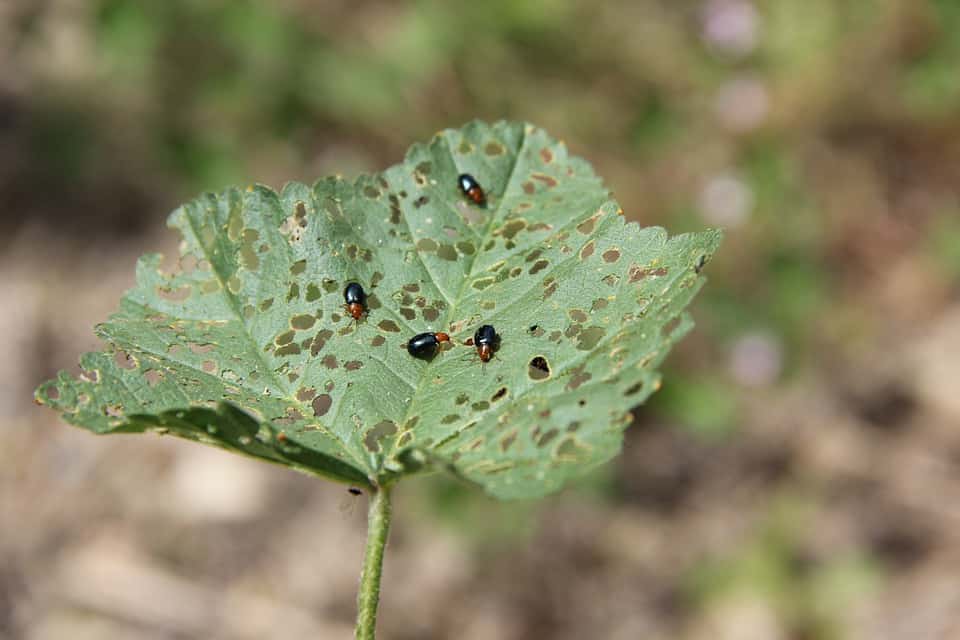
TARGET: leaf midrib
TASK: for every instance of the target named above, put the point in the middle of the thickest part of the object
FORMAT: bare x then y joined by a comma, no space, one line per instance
473,261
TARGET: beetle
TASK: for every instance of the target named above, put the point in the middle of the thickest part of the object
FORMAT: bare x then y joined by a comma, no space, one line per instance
424,345
486,340
356,300
472,189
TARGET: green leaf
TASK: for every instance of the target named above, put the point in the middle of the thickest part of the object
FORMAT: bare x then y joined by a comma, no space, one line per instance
247,345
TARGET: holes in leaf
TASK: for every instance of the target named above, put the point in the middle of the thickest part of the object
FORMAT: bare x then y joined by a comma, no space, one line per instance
306,394
298,267
449,419
577,315
302,321
637,273
494,149
380,431
513,227
579,376
320,341
587,250
586,227
590,337
633,389
546,437
377,341
549,181
546,155
507,441
352,365
501,392
538,368
51,392
124,360
483,405
611,255
174,295
426,245
466,248
482,283
447,252
330,361
321,404
389,325
549,287
288,350
538,266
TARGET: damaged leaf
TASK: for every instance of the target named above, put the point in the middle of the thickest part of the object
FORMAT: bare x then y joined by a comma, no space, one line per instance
247,344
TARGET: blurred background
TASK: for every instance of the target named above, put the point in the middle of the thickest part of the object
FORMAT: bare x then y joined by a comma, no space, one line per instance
797,477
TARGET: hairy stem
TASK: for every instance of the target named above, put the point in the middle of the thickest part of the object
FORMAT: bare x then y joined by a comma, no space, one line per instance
378,529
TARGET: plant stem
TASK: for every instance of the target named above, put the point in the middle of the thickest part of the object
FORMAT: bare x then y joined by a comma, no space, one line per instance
378,529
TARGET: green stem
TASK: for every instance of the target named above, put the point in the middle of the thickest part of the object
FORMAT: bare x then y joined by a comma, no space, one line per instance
378,529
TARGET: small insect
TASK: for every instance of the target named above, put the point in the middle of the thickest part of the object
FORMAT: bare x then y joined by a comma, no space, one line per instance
471,188
356,300
486,340
424,345
348,505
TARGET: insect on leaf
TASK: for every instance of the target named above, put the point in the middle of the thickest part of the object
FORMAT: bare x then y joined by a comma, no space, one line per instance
247,345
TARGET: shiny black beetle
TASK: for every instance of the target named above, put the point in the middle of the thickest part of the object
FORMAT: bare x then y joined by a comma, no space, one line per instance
472,189
424,345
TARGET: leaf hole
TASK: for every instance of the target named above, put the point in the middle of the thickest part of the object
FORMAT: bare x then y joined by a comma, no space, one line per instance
501,392
380,431
538,368
321,404
124,360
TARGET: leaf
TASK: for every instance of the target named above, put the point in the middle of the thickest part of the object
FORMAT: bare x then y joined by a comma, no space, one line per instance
247,345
